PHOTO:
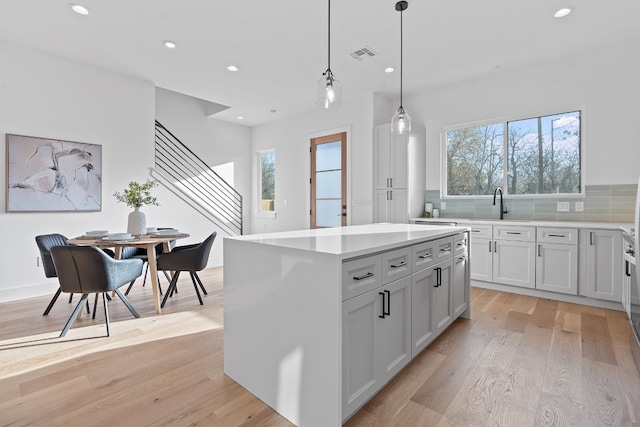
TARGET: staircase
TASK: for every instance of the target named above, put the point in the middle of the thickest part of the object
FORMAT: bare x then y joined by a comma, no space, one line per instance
188,177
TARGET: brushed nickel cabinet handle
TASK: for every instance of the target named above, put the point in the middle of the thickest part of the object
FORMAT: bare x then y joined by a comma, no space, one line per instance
366,276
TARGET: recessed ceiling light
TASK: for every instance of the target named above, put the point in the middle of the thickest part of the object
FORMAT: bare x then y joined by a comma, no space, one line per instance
389,70
240,118
563,12
79,9
232,68
169,44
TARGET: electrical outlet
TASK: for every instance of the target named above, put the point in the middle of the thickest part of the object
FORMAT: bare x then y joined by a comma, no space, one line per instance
563,206
579,206
443,205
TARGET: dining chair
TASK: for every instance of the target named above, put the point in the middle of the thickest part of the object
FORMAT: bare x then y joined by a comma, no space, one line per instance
191,258
86,270
45,242
141,253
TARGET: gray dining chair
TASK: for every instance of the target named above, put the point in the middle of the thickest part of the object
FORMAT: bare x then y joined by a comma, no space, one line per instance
86,270
191,258
45,242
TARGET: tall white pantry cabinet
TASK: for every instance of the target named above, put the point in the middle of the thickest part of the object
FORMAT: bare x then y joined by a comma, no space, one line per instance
399,174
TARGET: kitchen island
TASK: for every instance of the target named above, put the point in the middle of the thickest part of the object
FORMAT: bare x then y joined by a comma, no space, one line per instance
317,321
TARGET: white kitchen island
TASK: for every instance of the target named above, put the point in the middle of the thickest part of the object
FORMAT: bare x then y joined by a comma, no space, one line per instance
317,321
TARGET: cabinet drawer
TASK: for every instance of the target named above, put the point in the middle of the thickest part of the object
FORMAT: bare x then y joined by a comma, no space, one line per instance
444,249
565,236
517,233
361,275
480,231
460,244
396,264
429,253
423,255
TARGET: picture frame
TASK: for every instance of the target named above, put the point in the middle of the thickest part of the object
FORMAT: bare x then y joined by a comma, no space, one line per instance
52,175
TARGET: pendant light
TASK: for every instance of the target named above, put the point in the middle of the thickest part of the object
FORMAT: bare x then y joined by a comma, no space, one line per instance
401,122
329,90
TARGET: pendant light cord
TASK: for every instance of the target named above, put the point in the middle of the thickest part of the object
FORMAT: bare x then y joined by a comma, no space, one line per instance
401,48
329,37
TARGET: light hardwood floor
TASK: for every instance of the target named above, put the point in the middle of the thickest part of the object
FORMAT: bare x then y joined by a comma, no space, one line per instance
520,361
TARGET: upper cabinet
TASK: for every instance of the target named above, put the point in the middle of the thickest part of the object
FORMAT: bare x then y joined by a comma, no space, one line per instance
398,165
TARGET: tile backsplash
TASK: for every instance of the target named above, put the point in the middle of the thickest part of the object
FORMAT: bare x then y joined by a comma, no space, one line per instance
602,203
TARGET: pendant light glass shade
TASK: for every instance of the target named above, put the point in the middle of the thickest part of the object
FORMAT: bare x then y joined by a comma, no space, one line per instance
329,89
401,121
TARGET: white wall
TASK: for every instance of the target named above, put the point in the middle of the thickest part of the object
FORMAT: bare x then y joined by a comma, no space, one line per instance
602,82
45,96
291,140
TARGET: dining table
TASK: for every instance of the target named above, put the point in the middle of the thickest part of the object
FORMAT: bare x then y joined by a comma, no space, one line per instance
147,242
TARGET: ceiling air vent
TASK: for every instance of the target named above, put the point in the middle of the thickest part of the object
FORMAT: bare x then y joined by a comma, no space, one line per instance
363,53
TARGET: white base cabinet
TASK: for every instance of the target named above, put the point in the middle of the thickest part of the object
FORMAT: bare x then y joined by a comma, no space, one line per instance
503,254
514,263
557,261
387,326
603,275
376,340
459,290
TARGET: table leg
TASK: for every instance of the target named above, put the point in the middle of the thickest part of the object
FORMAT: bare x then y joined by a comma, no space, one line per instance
153,271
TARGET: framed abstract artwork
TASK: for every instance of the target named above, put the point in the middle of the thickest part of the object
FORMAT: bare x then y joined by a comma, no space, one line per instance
51,175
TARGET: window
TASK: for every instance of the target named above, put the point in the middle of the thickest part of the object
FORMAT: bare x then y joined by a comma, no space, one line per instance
267,181
541,155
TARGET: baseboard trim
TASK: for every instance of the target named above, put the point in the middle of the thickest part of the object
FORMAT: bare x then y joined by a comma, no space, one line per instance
29,291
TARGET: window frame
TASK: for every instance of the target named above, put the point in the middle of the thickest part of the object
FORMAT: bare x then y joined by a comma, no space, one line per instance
504,184
259,211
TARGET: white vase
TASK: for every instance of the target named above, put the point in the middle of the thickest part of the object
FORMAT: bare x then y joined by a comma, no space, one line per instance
137,224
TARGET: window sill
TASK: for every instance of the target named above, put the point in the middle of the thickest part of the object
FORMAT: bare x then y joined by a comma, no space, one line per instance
266,214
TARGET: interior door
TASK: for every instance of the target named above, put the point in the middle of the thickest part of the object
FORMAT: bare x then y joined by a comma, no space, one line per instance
329,181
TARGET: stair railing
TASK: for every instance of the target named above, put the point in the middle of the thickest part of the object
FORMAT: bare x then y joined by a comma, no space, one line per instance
179,169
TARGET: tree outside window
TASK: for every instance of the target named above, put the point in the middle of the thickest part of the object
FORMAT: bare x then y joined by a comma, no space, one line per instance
541,155
267,176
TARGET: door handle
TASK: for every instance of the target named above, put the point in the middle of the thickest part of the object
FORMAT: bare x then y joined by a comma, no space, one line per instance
388,312
626,268
383,310
539,250
366,276
401,264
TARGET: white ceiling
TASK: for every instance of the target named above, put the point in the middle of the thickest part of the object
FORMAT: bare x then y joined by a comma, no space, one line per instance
281,46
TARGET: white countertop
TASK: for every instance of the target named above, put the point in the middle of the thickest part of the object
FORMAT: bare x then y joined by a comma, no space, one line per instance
533,223
354,240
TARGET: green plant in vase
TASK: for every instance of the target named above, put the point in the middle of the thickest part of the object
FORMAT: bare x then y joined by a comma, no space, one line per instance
136,196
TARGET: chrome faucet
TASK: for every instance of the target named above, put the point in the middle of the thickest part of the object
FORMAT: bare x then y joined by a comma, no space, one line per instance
503,208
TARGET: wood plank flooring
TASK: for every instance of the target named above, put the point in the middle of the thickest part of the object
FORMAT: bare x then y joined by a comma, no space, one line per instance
520,361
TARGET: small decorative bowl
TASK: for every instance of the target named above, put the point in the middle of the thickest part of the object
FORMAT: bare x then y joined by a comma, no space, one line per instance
97,233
